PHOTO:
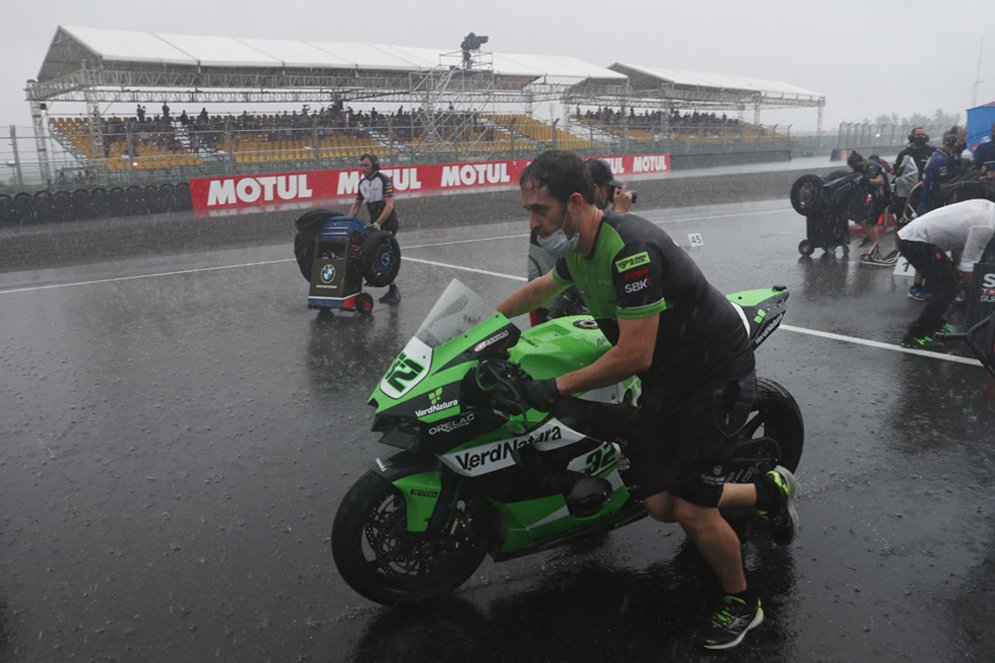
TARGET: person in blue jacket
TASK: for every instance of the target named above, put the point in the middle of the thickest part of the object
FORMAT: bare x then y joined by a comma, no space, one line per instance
943,165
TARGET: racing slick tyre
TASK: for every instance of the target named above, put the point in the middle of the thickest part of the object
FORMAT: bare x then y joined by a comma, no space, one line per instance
805,194
62,203
153,199
379,558
381,258
44,207
116,203
22,208
6,205
308,226
773,435
83,204
806,247
135,201
775,415
99,202
184,203
167,194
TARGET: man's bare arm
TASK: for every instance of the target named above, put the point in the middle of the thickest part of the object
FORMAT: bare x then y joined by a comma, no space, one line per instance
530,296
632,354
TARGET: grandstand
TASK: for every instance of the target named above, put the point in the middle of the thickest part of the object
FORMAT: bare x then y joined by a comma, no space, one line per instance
460,108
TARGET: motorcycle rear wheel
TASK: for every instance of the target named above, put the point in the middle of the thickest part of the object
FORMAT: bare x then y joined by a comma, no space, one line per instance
774,433
380,559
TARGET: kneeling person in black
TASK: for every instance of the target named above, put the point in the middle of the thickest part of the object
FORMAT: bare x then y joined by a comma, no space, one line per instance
689,346
377,191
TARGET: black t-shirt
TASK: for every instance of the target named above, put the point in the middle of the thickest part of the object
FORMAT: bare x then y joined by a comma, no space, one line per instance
984,155
919,153
635,271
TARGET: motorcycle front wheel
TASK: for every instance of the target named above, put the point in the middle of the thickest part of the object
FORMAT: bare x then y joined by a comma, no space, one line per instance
380,559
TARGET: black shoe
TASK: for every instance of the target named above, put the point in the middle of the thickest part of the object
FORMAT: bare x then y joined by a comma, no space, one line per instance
393,296
784,522
730,623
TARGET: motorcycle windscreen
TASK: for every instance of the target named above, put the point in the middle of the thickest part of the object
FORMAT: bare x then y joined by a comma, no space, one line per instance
457,310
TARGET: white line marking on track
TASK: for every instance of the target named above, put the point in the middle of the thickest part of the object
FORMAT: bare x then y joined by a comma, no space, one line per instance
798,330
466,269
142,276
882,346
687,219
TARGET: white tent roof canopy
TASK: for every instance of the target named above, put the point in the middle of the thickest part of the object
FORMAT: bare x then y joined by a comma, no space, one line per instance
126,56
698,79
187,50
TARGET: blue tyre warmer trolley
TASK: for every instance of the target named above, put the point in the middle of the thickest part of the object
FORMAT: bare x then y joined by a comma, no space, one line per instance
348,252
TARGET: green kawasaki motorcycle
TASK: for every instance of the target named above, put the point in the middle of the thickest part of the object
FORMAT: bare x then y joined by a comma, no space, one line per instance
479,472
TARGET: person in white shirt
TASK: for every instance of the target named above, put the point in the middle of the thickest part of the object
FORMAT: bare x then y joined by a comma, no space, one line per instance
925,242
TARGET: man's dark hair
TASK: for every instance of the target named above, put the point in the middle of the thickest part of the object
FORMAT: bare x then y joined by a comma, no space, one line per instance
562,172
372,159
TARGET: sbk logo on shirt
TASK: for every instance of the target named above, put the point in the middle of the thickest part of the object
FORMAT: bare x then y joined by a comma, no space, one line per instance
636,286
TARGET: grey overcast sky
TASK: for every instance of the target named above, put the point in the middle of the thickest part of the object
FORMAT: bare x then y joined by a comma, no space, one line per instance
867,57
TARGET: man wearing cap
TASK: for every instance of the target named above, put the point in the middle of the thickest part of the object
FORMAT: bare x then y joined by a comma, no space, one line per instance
609,193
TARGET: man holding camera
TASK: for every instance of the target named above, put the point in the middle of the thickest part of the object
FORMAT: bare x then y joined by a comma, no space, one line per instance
609,193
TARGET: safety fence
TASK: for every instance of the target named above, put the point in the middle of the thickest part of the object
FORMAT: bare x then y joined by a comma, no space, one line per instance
76,152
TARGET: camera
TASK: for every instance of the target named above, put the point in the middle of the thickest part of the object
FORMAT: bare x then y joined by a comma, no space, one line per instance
613,189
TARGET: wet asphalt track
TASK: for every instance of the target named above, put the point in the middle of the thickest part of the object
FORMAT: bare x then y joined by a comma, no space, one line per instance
177,428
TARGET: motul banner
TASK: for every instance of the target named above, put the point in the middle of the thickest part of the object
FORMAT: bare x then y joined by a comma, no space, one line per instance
211,193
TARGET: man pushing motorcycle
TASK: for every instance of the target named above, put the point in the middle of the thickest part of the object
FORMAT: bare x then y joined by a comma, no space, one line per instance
690,348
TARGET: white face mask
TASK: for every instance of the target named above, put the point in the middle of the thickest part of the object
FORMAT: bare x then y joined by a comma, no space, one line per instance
558,244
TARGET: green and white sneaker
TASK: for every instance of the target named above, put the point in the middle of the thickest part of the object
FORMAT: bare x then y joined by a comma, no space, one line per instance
730,623
784,522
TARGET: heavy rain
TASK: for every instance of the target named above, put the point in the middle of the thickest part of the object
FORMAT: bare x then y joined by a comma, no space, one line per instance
182,415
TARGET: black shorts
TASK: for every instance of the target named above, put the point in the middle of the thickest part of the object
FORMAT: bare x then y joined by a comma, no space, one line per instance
684,451
390,225
897,205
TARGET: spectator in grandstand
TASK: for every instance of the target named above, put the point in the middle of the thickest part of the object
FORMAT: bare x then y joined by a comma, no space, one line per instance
609,193
943,165
140,113
984,157
377,191
925,241
165,111
866,213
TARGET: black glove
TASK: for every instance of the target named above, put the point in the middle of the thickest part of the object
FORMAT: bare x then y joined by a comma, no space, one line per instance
541,394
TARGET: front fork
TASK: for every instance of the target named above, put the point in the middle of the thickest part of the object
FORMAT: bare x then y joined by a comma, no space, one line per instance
429,493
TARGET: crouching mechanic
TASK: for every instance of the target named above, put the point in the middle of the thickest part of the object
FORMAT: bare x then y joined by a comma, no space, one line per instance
687,343
925,241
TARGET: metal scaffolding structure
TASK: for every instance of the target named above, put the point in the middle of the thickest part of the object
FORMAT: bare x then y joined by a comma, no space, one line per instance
97,67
